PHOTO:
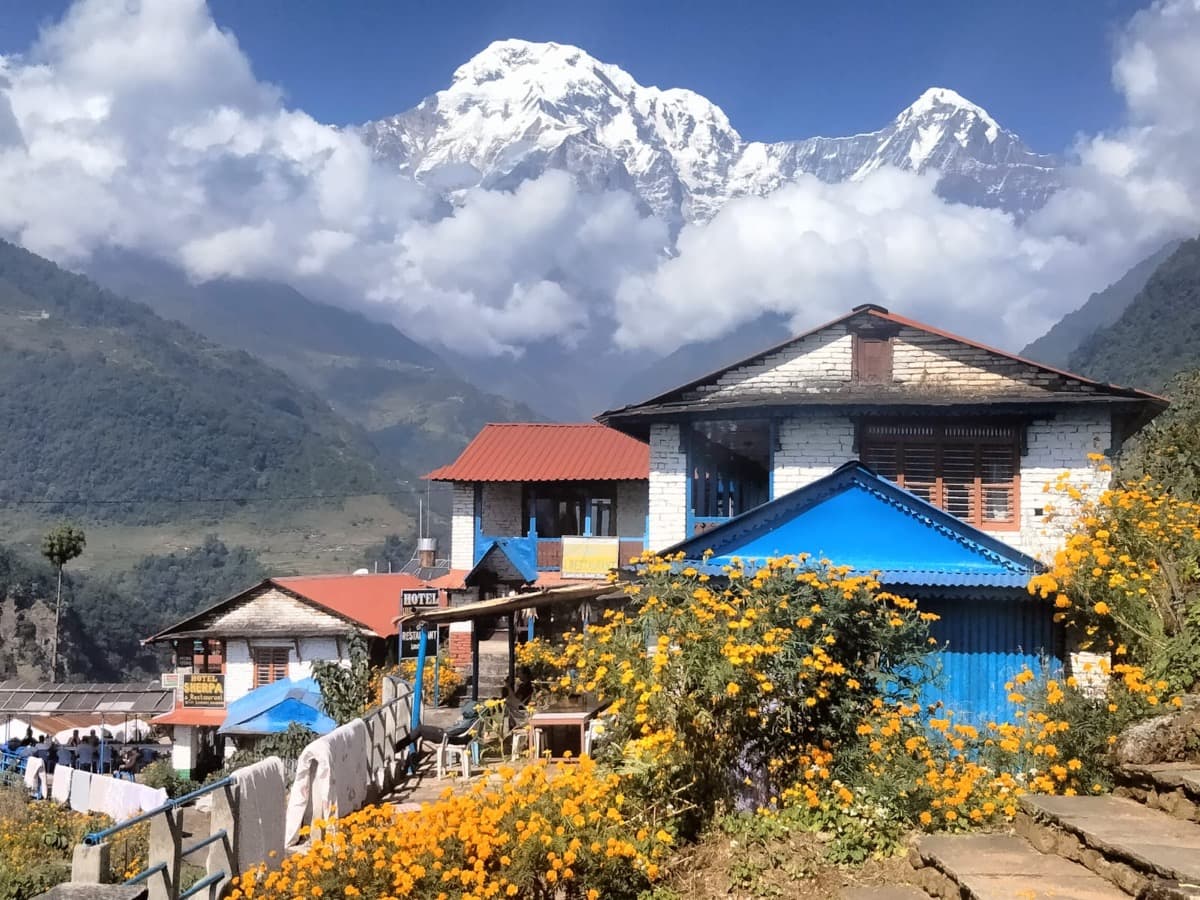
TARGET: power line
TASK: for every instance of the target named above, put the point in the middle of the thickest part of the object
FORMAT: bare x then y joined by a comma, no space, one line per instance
120,501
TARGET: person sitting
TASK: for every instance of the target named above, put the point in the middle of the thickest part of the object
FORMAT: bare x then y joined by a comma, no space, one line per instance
524,690
85,757
127,763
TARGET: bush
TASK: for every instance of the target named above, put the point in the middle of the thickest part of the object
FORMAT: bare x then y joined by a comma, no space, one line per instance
39,838
1127,581
449,679
719,689
161,774
546,831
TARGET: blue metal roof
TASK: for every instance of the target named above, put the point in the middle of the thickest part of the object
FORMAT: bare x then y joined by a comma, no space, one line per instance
270,709
855,517
521,552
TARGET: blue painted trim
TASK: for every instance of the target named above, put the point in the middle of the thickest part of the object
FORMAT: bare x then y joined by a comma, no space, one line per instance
689,473
772,439
478,511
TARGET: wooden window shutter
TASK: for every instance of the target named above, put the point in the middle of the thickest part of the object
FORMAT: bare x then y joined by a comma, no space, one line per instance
270,665
872,359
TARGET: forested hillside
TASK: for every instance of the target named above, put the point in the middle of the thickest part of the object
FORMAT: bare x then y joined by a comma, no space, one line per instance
105,617
417,410
1158,335
101,398
1102,309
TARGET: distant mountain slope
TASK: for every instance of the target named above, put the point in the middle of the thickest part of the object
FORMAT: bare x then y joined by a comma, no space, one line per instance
418,412
1102,309
101,398
519,108
1158,335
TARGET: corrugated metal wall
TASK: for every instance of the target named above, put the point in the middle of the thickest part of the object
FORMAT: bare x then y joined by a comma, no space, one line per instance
987,642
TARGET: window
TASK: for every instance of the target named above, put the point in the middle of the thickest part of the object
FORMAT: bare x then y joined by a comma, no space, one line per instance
208,657
569,509
872,358
730,467
270,665
971,471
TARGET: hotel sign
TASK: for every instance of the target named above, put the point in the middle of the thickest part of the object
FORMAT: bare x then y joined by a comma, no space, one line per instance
584,557
204,691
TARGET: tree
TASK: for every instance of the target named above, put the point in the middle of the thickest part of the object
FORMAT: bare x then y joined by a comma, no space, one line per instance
60,546
345,685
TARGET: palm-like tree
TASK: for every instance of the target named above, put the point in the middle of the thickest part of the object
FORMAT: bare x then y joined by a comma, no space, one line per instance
60,546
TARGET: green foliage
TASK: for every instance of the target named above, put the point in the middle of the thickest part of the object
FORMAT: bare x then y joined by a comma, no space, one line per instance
346,689
723,683
107,616
1101,310
391,556
63,544
1158,335
287,746
1168,450
161,774
103,399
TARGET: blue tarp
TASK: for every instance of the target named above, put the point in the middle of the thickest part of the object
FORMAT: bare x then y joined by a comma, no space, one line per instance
271,708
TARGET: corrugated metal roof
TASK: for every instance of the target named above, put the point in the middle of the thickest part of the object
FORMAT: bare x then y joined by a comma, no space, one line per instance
857,518
371,600
68,705
520,451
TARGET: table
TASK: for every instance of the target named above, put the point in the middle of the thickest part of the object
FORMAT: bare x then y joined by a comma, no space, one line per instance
560,715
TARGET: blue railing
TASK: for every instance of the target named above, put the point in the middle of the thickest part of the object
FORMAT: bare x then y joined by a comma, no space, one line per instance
96,837
12,768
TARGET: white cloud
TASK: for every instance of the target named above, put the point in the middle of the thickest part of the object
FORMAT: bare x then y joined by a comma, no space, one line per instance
142,125
811,251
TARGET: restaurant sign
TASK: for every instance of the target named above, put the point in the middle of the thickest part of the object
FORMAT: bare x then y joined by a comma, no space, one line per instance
204,691
410,642
589,557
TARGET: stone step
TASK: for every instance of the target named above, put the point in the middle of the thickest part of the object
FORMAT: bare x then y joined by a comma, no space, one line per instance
1172,788
884,892
1001,867
1136,848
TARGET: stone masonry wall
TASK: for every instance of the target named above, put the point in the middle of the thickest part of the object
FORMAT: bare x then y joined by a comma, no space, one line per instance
1058,445
462,525
810,448
668,487
822,358
502,508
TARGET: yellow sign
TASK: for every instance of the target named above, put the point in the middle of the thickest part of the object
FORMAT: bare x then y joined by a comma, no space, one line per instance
587,557
205,691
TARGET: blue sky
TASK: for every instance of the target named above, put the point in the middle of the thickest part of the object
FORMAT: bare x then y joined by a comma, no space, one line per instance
779,70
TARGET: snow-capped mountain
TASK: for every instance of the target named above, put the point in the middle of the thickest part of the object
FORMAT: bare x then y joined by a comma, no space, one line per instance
520,108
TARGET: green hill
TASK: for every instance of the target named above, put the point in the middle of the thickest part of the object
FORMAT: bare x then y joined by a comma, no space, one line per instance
416,408
102,399
1158,334
99,397
1102,309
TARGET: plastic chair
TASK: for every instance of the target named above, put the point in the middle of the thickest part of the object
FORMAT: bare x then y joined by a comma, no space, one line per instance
458,750
593,731
85,757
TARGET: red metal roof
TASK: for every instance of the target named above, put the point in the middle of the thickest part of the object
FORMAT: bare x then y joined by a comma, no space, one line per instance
370,600
546,452
180,715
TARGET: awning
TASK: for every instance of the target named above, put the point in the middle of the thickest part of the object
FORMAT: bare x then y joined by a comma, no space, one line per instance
195,716
54,706
270,709
501,605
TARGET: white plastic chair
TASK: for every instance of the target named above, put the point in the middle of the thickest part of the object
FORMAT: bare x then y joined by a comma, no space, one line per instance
520,741
454,756
593,732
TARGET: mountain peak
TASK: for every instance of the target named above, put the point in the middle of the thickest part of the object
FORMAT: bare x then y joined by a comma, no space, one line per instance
943,102
504,58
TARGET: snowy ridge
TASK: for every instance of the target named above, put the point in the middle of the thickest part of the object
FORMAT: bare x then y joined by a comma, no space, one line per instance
519,108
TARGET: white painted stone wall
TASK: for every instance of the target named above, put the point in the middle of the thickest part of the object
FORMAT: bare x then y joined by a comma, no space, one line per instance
1058,445
810,448
462,525
632,505
502,508
668,487
239,664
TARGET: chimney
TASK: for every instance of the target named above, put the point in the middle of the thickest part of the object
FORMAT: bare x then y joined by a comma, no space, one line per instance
427,552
